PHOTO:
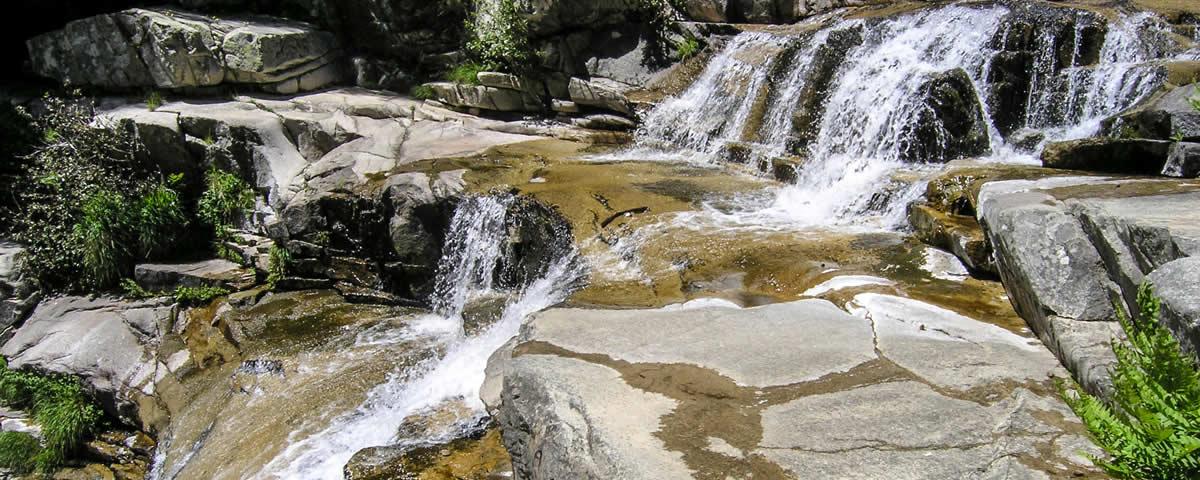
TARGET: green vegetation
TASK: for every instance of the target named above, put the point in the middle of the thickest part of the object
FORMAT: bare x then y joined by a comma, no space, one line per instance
18,451
278,263
1195,99
160,218
1151,429
688,48
72,201
58,405
154,100
226,199
466,73
184,295
422,92
198,295
498,37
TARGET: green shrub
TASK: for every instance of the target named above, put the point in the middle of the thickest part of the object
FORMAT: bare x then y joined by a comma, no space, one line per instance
422,92
465,73
153,100
498,37
1151,429
1195,99
278,264
160,218
18,451
58,405
226,199
135,291
77,157
688,48
198,295
106,219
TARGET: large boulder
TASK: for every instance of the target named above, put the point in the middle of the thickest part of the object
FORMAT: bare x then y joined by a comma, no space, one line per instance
1177,284
158,277
949,123
111,345
1108,155
1067,247
1163,117
622,394
18,295
173,49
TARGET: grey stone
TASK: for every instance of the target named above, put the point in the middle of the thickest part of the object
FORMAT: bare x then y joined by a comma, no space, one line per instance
1108,155
1183,160
581,420
173,49
222,273
604,122
1177,284
1161,117
685,336
110,344
486,98
599,95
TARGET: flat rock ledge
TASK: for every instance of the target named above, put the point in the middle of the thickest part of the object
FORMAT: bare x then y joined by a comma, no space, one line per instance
895,389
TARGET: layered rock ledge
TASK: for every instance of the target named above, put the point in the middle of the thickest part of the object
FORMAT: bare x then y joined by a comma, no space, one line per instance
900,389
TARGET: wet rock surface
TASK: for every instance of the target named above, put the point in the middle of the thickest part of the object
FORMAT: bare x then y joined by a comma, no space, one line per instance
712,392
1068,247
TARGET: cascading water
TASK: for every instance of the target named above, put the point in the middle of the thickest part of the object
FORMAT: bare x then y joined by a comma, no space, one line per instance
471,255
864,160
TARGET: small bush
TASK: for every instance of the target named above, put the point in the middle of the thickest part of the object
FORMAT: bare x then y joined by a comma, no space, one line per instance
423,92
154,100
226,199
498,37
198,295
688,48
135,291
465,74
279,262
58,405
1151,429
160,218
105,221
18,451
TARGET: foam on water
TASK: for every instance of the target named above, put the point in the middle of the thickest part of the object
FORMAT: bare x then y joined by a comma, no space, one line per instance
471,256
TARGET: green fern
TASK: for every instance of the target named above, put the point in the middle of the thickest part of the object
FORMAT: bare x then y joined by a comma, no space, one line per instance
1151,427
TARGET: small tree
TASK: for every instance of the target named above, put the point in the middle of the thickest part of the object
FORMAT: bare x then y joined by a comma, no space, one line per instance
1151,427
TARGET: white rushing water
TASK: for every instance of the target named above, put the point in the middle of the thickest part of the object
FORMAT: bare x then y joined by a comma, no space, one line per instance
471,255
855,173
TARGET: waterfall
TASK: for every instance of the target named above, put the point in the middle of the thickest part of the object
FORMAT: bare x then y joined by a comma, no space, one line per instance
471,255
715,110
862,162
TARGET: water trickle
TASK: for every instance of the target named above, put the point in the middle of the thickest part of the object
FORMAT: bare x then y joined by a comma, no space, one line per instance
471,256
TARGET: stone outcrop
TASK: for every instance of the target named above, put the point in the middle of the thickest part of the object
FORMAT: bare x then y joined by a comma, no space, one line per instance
1109,155
622,394
173,49
17,294
1165,116
112,345
499,92
1067,247
210,273
949,124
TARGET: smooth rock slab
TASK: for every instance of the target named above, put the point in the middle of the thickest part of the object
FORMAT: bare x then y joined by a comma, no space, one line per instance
209,273
753,347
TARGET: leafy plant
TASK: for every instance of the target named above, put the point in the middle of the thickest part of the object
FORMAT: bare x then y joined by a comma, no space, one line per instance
154,100
1151,429
77,157
226,199
58,405
423,92
278,263
135,291
18,450
498,37
1195,99
198,295
688,48
466,73
160,218
104,222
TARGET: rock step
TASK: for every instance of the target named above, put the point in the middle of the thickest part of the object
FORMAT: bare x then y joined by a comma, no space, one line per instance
794,390
209,273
